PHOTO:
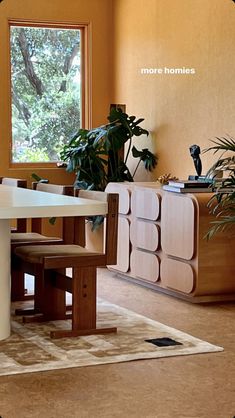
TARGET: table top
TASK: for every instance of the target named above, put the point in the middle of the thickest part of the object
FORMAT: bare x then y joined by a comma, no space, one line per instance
16,202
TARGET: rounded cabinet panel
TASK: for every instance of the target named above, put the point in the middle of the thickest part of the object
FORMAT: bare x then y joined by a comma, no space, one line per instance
144,235
145,204
144,265
124,196
178,226
123,250
177,275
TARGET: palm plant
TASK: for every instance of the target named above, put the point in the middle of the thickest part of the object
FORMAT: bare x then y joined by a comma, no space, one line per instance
222,203
96,155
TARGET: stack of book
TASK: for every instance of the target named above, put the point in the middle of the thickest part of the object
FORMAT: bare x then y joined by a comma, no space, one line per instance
189,186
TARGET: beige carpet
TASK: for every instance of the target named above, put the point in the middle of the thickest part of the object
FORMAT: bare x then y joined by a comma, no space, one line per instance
29,348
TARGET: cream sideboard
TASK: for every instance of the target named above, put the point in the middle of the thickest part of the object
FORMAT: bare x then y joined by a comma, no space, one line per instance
161,244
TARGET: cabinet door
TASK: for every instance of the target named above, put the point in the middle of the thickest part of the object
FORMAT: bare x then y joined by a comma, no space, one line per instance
178,226
124,196
177,275
123,250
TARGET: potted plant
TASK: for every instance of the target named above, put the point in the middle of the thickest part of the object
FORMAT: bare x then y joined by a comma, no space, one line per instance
95,155
222,203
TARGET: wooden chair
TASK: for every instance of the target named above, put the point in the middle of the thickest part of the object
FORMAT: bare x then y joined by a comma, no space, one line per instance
50,261
21,224
36,237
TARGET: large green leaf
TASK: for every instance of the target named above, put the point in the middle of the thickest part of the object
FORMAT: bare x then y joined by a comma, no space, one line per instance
149,159
95,155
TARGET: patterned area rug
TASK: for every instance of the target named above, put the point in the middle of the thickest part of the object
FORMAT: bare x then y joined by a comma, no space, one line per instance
30,349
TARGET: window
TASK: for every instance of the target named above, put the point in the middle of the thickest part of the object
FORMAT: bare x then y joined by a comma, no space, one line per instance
46,83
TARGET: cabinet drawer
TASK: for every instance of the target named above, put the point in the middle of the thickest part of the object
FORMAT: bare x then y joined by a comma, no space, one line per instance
177,275
145,204
144,235
144,265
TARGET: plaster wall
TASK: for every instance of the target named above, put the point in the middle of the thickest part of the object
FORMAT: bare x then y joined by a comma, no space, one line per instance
179,109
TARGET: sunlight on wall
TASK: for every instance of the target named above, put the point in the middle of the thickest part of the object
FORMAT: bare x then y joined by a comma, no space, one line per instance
181,108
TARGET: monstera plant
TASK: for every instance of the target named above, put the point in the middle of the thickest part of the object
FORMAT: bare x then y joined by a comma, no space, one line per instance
96,155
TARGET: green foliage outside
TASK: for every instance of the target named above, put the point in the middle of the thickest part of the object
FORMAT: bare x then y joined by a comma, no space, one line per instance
45,91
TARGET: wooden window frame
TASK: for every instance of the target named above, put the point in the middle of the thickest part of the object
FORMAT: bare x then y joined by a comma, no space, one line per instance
85,110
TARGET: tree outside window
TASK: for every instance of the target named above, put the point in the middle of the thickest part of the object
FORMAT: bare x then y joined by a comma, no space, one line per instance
46,91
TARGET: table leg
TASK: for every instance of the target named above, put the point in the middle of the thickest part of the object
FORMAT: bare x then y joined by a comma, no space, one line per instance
5,282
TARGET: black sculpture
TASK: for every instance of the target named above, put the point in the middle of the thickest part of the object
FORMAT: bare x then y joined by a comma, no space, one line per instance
195,151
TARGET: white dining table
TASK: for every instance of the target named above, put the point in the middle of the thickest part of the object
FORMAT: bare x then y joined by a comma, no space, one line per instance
16,202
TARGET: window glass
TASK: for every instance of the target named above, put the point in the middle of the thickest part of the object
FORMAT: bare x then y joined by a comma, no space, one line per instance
46,90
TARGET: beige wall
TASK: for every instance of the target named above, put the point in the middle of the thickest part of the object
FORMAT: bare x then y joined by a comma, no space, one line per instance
98,13
179,110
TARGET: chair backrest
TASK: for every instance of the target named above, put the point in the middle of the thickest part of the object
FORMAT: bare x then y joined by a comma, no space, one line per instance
21,224
10,181
54,188
111,225
67,222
